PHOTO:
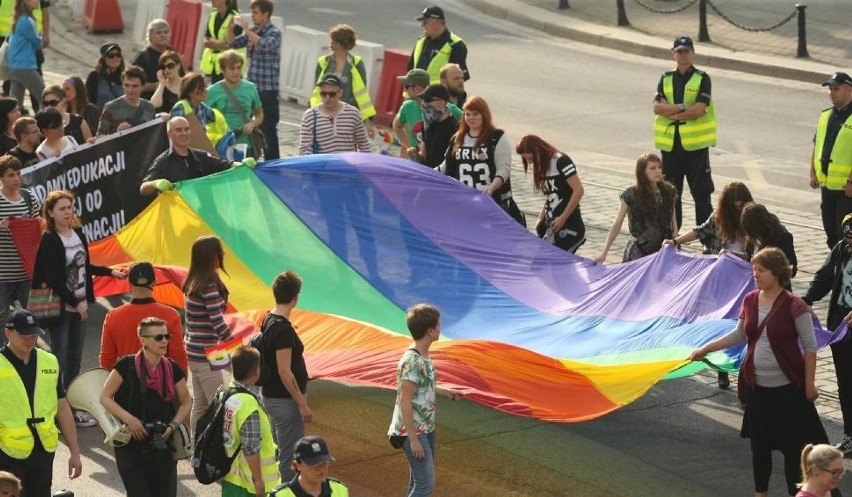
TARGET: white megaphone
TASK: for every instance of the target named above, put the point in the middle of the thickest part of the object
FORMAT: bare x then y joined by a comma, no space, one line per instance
84,394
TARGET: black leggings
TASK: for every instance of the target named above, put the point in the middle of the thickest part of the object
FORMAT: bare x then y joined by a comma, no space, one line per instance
762,465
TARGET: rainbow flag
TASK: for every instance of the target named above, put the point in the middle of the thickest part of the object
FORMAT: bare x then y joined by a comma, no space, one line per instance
527,328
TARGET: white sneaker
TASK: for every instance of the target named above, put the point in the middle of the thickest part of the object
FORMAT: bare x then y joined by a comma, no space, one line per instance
845,445
84,419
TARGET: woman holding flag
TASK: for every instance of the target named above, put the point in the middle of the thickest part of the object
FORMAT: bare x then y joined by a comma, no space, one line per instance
206,300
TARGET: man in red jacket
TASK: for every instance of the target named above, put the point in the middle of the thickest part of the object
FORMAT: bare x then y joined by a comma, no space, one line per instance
119,337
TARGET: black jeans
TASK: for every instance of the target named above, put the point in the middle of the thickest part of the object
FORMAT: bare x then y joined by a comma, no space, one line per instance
834,206
269,126
35,472
144,472
694,165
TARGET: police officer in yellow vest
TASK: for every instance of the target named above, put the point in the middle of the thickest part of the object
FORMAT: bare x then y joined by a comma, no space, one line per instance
248,431
685,128
437,46
831,162
311,459
32,403
216,38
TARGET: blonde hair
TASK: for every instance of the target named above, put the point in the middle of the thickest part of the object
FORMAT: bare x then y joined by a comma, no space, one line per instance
817,456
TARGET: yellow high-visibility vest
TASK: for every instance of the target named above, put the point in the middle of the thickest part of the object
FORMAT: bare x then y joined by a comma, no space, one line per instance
440,58
16,439
359,87
694,134
840,166
210,57
241,405
337,490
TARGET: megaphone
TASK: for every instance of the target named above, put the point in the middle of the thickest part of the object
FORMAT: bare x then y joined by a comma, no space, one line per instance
84,394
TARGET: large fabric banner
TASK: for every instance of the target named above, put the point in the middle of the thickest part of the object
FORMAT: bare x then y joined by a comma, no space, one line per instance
105,176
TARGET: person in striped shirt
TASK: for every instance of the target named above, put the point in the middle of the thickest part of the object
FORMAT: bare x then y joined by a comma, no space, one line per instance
206,300
332,126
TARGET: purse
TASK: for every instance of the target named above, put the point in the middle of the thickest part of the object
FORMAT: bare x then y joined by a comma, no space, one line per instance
43,303
258,141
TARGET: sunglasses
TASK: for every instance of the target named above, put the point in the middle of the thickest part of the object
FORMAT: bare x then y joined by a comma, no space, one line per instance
51,103
328,94
159,338
113,55
170,65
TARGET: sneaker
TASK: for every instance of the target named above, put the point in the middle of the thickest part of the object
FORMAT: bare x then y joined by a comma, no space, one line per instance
84,419
845,445
724,380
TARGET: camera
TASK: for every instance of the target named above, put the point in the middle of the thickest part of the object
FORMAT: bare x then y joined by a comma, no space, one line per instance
155,435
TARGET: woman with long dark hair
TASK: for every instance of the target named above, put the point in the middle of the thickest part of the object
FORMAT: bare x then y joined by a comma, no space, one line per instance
763,229
555,175
206,299
168,81
723,230
104,83
650,209
480,156
62,264
9,113
77,102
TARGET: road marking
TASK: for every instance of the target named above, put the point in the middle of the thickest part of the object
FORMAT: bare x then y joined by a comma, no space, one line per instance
334,12
509,38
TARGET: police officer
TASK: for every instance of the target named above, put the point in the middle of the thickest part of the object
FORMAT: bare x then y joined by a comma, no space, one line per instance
311,460
216,37
831,168
32,403
685,128
437,46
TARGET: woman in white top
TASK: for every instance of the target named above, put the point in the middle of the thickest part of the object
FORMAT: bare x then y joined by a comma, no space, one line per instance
56,143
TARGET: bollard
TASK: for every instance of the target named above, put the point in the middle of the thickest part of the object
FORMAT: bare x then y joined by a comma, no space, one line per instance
703,35
802,50
622,14
563,4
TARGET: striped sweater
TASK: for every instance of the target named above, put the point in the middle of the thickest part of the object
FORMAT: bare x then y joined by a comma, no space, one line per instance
342,132
205,322
11,267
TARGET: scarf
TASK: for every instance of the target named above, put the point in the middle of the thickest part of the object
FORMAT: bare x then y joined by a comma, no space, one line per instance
432,114
160,379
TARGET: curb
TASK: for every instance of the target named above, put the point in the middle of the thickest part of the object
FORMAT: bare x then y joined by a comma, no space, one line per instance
632,41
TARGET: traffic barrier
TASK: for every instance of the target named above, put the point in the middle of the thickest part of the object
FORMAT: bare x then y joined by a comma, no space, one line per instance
103,16
78,7
373,55
183,18
301,47
146,12
389,97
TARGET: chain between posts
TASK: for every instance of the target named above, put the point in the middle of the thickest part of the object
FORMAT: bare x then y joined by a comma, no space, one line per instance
746,28
661,11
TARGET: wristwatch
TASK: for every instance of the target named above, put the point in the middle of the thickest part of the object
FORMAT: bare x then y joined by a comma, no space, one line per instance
681,107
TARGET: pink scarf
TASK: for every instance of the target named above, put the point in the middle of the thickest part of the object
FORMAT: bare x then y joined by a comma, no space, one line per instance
160,379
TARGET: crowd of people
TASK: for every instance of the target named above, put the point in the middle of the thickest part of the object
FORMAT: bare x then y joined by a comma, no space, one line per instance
233,100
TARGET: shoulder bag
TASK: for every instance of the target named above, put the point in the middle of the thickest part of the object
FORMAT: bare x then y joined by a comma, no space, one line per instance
258,141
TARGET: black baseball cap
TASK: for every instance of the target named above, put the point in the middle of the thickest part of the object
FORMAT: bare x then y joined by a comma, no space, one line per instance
330,79
312,450
110,47
24,323
434,92
432,12
142,274
838,78
683,43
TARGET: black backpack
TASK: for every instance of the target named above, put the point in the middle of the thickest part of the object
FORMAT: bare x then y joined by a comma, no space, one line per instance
210,460
267,371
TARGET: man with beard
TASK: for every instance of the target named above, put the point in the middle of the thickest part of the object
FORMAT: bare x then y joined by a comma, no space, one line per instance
452,77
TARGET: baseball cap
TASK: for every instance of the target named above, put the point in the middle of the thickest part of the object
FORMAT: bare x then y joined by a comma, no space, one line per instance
142,274
683,42
330,79
432,12
434,92
415,77
312,450
24,323
838,78
109,47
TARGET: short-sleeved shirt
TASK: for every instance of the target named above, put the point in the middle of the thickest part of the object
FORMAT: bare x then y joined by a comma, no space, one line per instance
555,186
679,83
11,267
411,116
27,158
246,94
282,335
119,111
419,370
149,406
173,167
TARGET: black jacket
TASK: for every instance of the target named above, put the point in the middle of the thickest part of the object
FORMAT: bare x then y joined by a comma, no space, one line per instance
829,278
50,268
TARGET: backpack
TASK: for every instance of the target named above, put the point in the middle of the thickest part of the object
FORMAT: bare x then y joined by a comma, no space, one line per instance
267,371
210,460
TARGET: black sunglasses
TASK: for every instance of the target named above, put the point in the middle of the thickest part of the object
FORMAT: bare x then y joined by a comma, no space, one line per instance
113,55
170,65
159,338
328,94
51,103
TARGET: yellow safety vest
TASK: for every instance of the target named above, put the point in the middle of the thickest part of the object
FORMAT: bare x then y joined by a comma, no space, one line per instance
240,406
440,58
337,490
6,13
215,130
840,166
16,439
210,57
359,88
695,134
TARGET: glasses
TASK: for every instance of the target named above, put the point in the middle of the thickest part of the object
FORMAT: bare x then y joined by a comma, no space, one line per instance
51,103
30,132
837,473
113,55
159,338
328,94
170,65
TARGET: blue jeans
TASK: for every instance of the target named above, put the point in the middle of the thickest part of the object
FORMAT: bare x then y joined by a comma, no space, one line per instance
10,291
269,126
422,477
66,343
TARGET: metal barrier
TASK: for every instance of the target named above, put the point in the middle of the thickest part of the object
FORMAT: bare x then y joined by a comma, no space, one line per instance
146,12
301,47
373,55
